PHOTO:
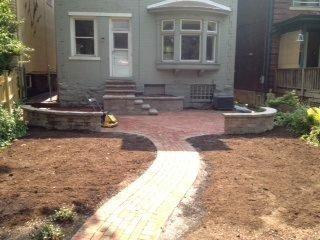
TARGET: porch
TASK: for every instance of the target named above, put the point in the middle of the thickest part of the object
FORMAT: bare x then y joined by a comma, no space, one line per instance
299,57
306,81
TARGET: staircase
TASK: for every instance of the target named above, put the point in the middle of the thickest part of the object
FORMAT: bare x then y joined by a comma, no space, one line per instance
121,99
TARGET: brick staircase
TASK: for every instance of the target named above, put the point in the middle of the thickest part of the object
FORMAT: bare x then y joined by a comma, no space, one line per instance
121,99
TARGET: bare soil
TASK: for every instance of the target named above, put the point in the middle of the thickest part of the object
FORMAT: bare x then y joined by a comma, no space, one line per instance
264,187
51,169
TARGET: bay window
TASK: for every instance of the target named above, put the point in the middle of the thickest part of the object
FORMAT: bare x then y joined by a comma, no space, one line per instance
190,41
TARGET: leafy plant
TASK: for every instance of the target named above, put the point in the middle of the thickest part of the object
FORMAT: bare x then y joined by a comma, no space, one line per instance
314,115
49,232
12,125
313,137
10,45
64,215
287,103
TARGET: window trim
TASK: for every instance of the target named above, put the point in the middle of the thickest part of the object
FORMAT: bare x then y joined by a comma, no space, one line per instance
212,32
162,47
74,55
191,30
168,20
200,47
214,48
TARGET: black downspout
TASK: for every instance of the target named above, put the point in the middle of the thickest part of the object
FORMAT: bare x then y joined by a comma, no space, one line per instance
268,47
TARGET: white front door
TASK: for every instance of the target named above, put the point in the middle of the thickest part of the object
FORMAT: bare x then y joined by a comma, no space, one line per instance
120,48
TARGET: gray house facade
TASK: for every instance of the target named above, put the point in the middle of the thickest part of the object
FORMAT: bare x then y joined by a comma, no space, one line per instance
155,48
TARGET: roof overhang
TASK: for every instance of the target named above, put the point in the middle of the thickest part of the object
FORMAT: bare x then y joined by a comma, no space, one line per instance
192,5
301,22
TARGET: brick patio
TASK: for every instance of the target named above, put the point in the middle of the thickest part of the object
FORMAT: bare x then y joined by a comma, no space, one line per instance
141,210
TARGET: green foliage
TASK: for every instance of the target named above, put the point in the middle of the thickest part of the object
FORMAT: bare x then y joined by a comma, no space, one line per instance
12,125
313,137
297,117
64,215
49,232
287,103
10,45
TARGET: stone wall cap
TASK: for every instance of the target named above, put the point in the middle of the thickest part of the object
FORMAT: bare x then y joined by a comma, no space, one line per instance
59,112
269,112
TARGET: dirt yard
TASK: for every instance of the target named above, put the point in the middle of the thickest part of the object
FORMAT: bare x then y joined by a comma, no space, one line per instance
49,169
263,187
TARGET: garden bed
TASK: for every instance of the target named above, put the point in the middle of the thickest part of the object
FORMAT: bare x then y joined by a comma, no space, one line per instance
50,169
262,187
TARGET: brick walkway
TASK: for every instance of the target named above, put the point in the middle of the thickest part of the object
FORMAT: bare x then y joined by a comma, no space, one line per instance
141,210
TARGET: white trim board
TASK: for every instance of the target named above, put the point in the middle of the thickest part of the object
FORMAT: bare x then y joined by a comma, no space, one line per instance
99,14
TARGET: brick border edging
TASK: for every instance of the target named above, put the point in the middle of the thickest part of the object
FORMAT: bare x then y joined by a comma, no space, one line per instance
244,123
62,120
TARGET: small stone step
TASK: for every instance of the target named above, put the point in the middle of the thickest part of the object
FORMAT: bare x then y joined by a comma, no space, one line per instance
146,106
153,112
138,102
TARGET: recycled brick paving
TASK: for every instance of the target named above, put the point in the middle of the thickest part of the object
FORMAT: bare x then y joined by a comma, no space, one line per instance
142,209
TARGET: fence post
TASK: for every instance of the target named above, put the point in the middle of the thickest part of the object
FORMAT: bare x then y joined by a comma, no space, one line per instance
7,90
303,78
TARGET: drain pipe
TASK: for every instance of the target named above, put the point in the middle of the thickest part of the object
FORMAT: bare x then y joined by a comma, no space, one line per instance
268,47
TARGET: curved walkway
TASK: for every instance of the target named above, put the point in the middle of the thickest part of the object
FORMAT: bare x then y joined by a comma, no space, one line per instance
141,210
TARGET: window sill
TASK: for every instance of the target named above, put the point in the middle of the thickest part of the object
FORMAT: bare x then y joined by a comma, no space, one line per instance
188,66
305,8
83,58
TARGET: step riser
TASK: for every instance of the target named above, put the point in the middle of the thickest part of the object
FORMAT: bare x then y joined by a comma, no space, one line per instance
120,83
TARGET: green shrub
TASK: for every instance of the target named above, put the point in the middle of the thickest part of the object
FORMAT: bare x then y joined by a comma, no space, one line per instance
299,121
287,103
12,125
49,232
64,215
313,137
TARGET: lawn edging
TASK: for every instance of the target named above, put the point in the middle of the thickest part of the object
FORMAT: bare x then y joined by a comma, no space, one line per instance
62,120
243,123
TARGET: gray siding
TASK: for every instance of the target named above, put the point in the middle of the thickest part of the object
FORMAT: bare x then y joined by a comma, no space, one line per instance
79,79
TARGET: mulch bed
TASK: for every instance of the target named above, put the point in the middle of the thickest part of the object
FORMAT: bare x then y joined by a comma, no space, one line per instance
51,169
264,187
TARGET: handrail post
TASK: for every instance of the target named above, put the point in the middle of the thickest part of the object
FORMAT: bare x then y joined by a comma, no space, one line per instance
303,77
49,83
7,89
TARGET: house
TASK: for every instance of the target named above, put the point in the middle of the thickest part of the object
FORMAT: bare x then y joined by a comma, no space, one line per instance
37,32
118,50
291,41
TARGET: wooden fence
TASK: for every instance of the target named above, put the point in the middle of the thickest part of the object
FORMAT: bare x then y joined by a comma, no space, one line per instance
306,81
10,89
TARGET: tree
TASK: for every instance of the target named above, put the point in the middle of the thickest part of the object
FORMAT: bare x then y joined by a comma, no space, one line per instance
10,45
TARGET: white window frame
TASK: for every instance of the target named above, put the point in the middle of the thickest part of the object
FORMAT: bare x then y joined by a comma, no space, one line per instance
214,48
74,55
162,47
212,32
168,20
111,43
200,47
190,30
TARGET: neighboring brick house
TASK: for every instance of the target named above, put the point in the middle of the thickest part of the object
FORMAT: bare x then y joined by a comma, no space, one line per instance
118,48
37,32
291,45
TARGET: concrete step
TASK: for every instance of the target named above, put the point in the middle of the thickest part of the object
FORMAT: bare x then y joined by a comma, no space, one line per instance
146,107
153,112
120,82
121,87
138,102
120,92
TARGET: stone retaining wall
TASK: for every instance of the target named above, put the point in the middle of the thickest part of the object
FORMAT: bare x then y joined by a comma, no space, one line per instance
165,104
243,123
62,120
